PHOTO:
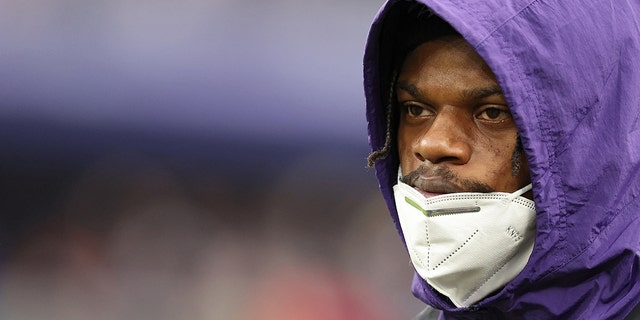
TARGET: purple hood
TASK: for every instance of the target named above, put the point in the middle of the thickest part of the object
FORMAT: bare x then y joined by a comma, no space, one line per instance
570,71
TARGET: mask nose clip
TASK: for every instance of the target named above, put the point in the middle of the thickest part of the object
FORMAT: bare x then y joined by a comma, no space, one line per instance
440,212
443,211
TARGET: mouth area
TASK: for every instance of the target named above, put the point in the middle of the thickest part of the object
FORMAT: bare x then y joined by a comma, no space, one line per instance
434,186
428,194
435,181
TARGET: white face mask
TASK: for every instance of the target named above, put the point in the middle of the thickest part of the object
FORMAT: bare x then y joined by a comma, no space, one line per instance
467,245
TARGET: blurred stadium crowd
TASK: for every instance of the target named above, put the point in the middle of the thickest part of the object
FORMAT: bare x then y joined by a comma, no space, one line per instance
148,235
195,159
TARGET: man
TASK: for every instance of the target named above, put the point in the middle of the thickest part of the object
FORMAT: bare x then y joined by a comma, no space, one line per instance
506,140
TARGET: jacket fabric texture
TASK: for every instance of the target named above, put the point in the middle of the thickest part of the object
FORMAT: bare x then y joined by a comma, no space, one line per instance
570,72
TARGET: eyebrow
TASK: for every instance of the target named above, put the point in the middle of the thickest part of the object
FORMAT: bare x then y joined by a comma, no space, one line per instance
481,93
473,94
411,89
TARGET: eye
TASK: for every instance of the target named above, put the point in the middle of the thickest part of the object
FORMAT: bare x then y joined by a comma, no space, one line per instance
416,110
494,114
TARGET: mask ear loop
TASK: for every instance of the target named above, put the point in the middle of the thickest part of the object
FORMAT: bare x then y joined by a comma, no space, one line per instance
520,192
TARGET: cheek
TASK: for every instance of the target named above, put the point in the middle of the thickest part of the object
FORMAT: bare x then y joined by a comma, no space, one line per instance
404,149
494,152
499,152
497,165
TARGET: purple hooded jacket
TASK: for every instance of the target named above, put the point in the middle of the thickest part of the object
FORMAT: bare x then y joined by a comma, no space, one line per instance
570,71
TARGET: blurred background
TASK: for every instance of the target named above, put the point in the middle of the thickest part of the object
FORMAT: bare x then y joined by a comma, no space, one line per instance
191,159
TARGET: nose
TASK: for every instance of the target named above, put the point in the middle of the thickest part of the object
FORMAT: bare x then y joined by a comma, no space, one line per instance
444,141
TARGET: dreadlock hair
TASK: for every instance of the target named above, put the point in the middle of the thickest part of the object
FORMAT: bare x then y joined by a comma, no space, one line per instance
390,111
407,25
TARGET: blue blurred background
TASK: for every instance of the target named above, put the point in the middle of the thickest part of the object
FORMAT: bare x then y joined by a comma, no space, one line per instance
191,159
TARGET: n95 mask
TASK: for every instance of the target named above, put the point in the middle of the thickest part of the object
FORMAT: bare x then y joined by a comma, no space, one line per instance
466,245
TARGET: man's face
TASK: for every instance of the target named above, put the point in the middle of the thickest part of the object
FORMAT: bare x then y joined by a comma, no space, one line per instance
456,133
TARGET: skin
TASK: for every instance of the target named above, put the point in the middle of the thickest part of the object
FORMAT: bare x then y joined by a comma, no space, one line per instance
456,133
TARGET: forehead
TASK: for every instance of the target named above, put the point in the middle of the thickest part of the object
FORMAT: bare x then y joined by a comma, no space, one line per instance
446,60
